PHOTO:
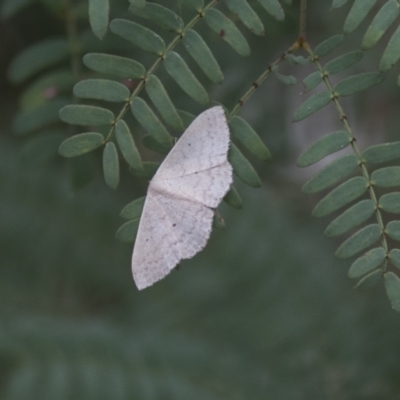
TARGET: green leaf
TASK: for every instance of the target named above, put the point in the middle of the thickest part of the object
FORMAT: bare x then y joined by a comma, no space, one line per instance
247,15
382,153
41,149
184,77
218,221
159,96
328,45
224,27
11,7
138,35
138,3
390,203
359,241
200,52
340,196
187,118
161,16
333,172
369,280
150,122
351,218
344,61
40,117
86,115
102,89
392,52
149,170
246,135
383,19
114,65
394,257
38,57
133,210
99,11
128,231
273,8
393,230
356,83
111,165
312,80
329,144
392,286
127,145
297,60
311,105
242,168
152,144
197,5
285,79
233,199
80,144
386,177
338,3
366,263
358,12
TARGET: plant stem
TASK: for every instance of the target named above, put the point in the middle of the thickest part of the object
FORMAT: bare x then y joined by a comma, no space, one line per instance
303,19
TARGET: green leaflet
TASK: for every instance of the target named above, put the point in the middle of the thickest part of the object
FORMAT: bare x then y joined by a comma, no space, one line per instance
357,83
340,63
41,149
133,210
102,89
386,177
159,96
383,19
138,3
328,45
357,13
382,153
392,52
152,144
194,4
128,231
9,8
312,104
338,3
38,118
149,170
247,15
80,144
242,168
329,144
340,196
359,241
200,52
127,145
37,58
245,134
111,165
392,286
138,35
163,17
86,115
150,122
184,77
224,27
187,118
99,11
369,280
114,65
273,8
351,218
394,257
393,230
390,203
218,221
366,263
333,172
233,199
312,80
48,85
297,60
285,79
